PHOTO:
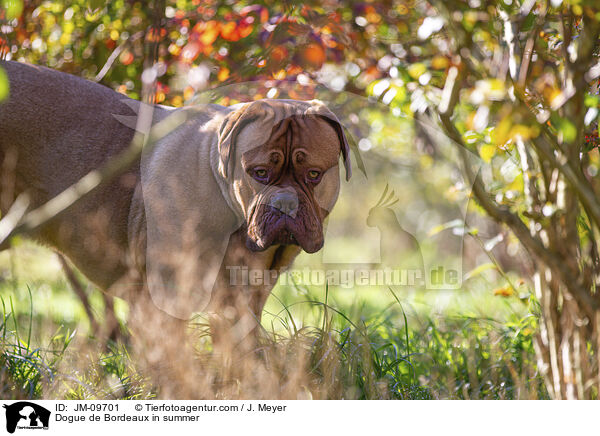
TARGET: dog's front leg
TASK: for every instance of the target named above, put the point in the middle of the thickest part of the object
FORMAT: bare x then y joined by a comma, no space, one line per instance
244,283
238,298
161,344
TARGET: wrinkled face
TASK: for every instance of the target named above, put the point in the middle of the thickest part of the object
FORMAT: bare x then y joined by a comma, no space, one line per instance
287,185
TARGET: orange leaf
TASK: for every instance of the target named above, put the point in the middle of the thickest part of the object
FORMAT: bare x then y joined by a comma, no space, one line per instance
126,57
293,70
223,74
245,29
279,75
264,15
190,52
279,53
330,43
229,31
506,291
209,35
314,55
188,92
174,49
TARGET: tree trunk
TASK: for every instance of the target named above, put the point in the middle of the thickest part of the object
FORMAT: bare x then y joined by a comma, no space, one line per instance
567,342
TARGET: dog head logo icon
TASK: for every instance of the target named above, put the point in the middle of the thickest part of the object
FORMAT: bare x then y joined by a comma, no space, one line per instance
26,415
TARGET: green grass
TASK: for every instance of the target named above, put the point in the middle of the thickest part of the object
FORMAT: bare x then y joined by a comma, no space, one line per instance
392,355
25,368
359,345
30,371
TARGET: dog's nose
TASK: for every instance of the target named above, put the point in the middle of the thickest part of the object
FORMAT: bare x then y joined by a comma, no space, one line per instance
285,202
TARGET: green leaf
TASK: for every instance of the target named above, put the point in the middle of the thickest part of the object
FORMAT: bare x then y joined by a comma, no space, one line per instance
13,8
4,85
471,136
94,5
449,225
592,100
566,130
487,152
528,23
477,271
416,70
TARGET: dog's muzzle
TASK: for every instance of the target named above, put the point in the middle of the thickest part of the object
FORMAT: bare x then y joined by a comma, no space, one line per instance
285,202
282,218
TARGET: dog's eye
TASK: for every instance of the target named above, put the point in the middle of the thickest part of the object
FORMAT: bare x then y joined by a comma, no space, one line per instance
314,175
260,174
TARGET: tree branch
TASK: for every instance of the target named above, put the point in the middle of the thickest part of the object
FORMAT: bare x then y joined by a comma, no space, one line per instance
115,54
501,213
54,208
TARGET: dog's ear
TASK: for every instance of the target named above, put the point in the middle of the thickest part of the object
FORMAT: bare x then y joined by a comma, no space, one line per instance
232,124
343,144
318,108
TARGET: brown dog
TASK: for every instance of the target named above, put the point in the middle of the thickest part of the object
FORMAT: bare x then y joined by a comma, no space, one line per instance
232,189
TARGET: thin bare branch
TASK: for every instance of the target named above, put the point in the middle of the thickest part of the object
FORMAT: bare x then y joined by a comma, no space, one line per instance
54,208
529,48
115,54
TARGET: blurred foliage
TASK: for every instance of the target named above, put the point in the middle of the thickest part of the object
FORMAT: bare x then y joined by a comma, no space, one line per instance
398,53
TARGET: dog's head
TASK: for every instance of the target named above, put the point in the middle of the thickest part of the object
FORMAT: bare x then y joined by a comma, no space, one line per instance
281,158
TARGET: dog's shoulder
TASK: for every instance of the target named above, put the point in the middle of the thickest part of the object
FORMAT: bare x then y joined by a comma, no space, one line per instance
27,80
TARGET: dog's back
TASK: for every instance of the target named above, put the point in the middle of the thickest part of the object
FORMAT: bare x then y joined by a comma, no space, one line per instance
54,129
74,116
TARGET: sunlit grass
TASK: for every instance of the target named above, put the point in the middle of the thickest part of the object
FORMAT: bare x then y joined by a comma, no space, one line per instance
364,344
